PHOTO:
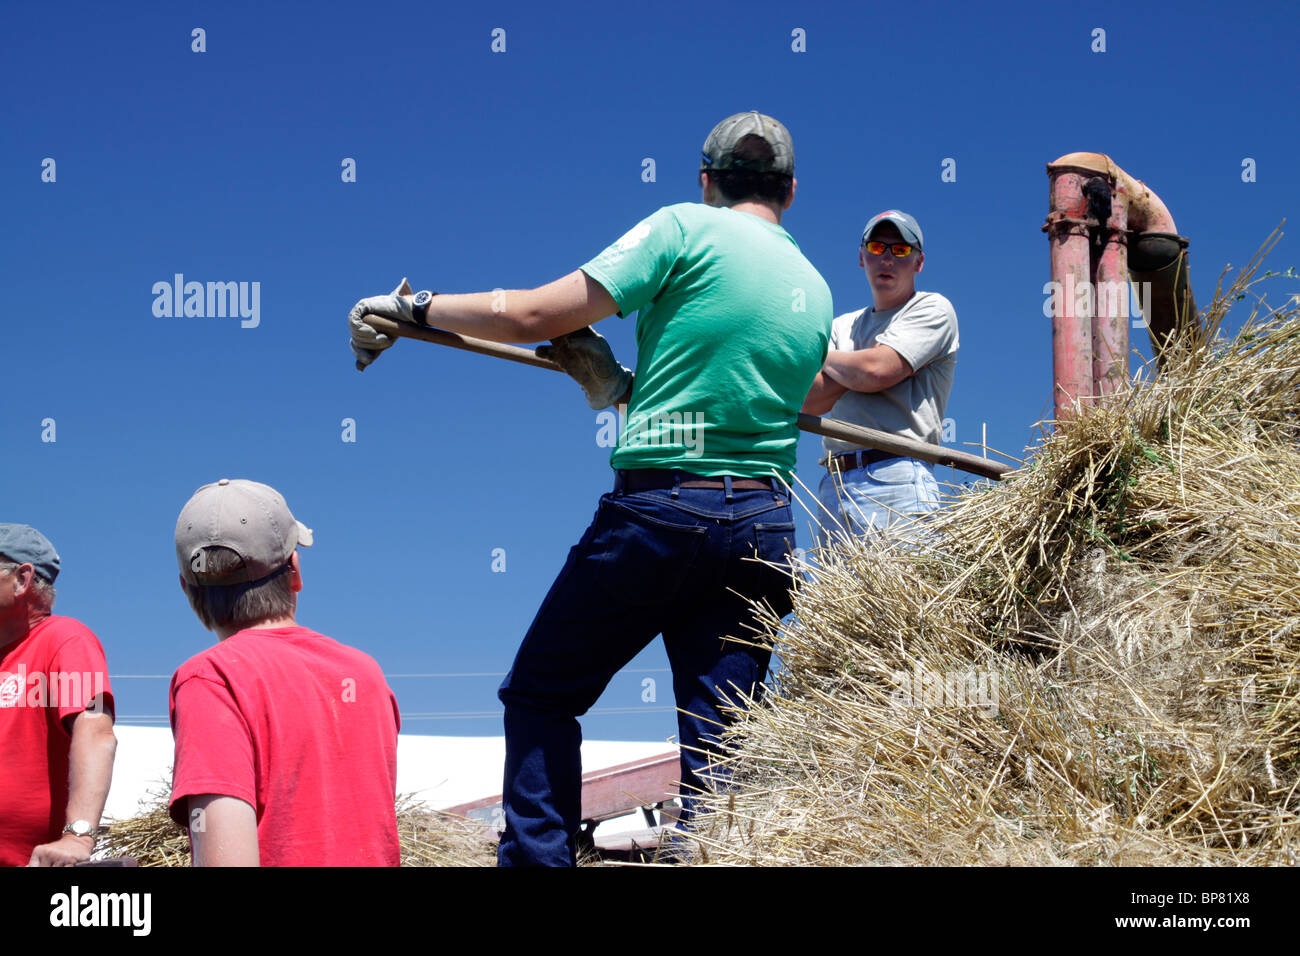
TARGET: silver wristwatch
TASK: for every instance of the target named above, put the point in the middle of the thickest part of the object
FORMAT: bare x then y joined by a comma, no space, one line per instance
81,828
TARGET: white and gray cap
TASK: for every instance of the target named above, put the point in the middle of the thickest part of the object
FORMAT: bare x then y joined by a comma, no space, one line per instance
244,516
719,148
907,225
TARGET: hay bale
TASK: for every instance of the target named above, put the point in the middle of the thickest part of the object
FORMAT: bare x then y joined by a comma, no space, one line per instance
436,838
428,837
1092,662
150,836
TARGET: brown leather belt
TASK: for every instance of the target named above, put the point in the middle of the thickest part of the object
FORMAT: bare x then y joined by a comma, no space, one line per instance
645,479
860,459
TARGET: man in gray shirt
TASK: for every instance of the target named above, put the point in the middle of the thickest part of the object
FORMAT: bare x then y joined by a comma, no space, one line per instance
890,368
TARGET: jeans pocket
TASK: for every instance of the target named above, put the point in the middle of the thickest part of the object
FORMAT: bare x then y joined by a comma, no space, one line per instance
643,550
892,471
773,541
770,577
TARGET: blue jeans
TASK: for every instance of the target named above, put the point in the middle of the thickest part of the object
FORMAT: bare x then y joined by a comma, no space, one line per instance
861,500
662,561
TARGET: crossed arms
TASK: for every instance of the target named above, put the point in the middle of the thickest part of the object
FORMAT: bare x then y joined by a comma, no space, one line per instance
867,370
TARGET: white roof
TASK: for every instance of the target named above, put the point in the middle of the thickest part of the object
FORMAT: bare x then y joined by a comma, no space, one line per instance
442,771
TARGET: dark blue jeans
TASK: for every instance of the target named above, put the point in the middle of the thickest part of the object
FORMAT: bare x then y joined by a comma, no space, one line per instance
676,562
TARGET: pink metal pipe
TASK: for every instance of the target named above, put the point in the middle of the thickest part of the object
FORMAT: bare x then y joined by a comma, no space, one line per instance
1146,211
1067,234
1110,299
1156,259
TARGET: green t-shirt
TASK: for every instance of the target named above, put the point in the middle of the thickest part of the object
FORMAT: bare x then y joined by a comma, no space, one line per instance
732,327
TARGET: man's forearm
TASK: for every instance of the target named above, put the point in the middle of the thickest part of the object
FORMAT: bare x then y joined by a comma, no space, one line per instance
869,370
823,395
90,766
482,315
90,771
524,315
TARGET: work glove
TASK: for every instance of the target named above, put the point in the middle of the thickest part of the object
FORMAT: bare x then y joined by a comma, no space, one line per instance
366,342
588,359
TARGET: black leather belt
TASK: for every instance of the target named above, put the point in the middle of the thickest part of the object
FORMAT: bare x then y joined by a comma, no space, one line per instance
860,459
644,479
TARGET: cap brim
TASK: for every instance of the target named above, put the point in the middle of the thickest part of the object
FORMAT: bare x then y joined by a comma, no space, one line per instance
304,534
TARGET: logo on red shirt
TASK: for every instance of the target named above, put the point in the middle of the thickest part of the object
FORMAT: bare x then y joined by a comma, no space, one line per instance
11,690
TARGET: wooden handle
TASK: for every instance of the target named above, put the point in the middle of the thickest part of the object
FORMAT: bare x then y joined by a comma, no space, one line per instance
906,447
831,428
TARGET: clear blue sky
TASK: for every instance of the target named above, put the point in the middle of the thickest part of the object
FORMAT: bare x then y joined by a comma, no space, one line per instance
478,170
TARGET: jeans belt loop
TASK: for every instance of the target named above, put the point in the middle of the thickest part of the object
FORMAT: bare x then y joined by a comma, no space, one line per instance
847,461
726,484
677,484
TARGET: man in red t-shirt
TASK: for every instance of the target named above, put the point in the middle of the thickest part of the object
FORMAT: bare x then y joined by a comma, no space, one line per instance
286,740
56,714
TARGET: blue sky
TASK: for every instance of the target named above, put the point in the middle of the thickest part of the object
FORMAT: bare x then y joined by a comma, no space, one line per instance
478,170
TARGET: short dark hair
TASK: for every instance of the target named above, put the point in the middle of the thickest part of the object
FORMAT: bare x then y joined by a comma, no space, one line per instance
240,605
737,185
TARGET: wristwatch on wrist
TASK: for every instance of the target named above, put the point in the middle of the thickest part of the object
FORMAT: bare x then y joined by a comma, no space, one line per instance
420,306
81,828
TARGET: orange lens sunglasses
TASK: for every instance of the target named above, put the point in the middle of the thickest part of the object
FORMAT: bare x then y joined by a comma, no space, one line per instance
900,249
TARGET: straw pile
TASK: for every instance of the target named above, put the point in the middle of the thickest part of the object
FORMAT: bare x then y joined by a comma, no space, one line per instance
434,838
427,837
1093,662
150,837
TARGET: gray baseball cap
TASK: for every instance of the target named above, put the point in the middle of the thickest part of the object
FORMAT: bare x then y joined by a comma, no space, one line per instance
26,545
247,517
908,227
722,142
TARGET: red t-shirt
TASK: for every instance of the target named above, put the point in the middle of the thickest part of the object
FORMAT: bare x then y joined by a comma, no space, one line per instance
301,728
52,673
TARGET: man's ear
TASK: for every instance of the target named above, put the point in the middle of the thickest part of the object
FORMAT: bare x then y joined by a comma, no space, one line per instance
862,256
295,572
790,198
707,189
24,581
920,260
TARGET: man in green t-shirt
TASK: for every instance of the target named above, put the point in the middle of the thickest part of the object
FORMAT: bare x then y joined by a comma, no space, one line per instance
733,325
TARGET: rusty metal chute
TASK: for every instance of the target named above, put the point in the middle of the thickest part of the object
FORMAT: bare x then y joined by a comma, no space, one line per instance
1105,227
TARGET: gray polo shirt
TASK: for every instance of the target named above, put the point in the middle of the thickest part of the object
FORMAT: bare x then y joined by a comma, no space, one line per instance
923,330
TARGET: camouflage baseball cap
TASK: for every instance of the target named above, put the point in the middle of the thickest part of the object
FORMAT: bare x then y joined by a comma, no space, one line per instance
718,148
246,517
